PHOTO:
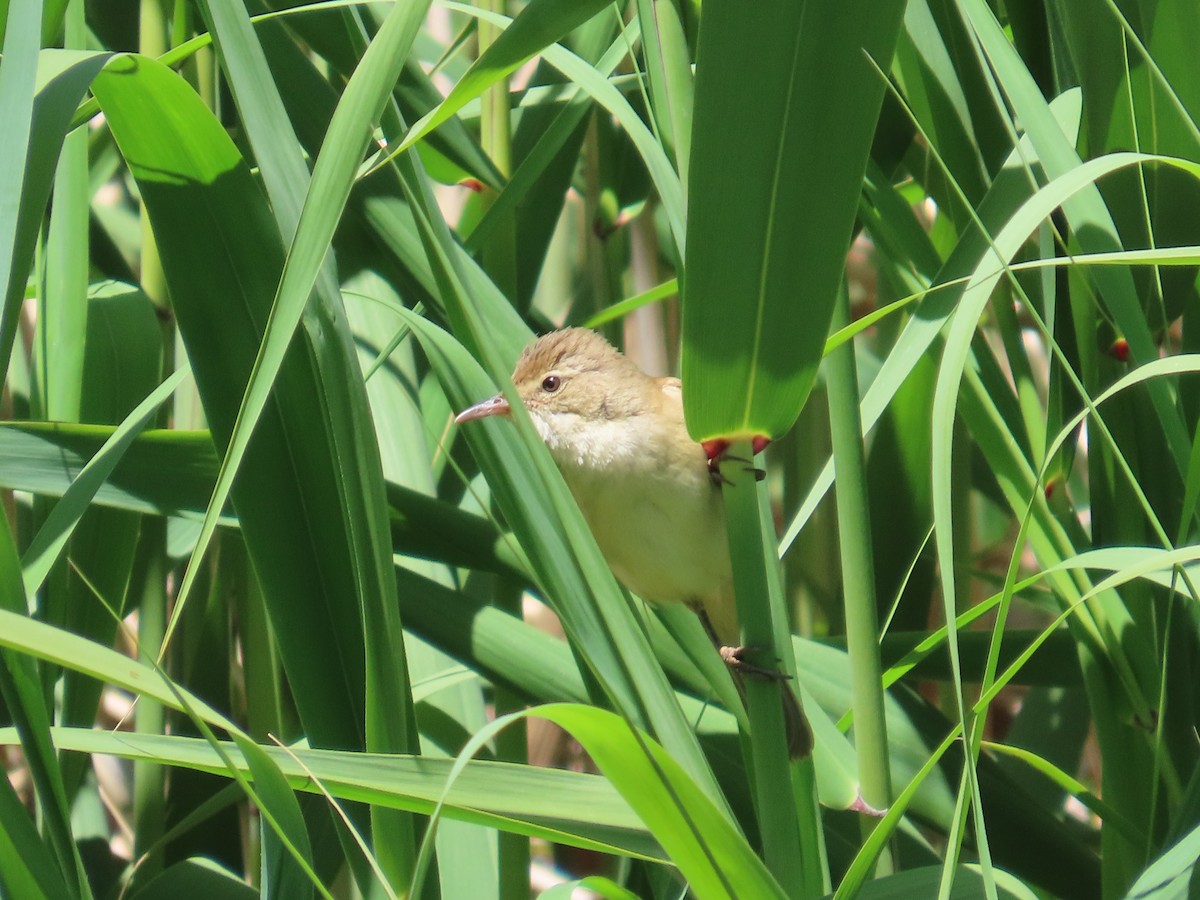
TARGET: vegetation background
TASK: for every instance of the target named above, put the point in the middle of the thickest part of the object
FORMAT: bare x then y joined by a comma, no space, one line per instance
270,625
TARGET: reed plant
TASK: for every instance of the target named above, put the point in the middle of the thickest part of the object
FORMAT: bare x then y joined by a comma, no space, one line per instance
270,623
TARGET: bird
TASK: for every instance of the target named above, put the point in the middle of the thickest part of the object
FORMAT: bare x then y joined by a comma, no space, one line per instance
649,492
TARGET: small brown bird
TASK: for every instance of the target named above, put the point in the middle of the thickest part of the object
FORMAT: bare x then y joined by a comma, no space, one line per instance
646,488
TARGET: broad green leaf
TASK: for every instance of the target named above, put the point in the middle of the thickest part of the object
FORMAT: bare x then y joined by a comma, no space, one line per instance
307,213
772,201
222,255
669,71
121,365
63,301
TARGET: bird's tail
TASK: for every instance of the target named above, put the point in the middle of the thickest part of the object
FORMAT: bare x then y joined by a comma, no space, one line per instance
796,727
799,733
720,621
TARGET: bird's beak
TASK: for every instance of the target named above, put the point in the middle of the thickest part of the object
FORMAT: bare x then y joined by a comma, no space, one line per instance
497,406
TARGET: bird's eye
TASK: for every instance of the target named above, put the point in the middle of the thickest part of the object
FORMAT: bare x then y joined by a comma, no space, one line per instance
551,383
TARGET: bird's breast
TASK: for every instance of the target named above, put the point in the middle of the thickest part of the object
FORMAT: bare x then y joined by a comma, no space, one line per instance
656,516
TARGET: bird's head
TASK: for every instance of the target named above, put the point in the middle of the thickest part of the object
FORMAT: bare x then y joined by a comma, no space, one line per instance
583,396
572,382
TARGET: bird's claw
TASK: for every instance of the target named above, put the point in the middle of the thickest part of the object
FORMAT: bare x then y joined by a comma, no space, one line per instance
735,658
715,474
718,477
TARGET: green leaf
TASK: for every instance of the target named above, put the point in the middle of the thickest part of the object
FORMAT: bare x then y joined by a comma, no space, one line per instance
767,235
25,701
195,879
710,853
46,546
172,473
222,256
28,867
37,114
308,213
595,884
561,806
281,875
967,884
1172,874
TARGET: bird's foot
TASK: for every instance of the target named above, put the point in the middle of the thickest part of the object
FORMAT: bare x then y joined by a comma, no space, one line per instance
719,478
735,658
715,475
715,449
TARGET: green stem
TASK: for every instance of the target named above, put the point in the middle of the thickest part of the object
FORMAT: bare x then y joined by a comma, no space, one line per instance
150,575
767,747
512,746
149,779
858,577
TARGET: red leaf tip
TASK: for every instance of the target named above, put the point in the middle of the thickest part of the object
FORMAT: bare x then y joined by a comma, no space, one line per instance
715,448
